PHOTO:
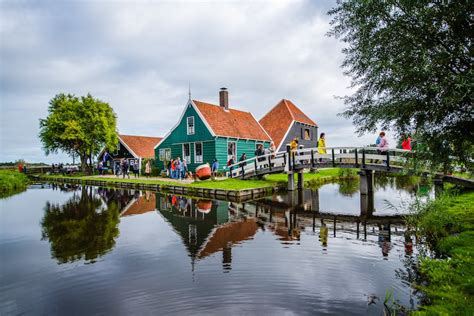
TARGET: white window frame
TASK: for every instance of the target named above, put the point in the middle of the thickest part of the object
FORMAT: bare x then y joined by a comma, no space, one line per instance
309,133
191,129
187,158
164,154
196,157
227,150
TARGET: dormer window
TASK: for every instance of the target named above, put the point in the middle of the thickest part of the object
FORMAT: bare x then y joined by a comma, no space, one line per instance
190,121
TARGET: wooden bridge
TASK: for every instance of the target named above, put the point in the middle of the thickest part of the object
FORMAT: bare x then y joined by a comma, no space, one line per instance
368,159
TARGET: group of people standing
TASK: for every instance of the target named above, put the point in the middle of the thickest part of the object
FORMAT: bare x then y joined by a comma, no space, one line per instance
178,169
124,168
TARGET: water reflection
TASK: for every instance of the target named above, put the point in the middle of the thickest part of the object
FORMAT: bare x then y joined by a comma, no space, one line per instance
85,227
177,255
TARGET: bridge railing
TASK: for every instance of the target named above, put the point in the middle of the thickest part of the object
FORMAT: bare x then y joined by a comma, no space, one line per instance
319,157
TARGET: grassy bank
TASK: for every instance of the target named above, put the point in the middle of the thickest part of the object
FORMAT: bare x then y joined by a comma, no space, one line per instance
269,181
447,226
12,182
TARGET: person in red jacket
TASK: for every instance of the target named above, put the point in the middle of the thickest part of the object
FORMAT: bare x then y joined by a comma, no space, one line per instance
406,142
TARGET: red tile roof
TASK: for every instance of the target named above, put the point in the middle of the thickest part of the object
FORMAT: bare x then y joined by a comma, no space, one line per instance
231,123
279,119
142,146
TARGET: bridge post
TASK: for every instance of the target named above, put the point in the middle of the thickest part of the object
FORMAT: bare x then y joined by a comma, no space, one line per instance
300,180
291,181
367,205
288,150
438,186
333,158
366,181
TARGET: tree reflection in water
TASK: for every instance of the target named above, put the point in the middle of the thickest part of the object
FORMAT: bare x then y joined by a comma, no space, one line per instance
85,227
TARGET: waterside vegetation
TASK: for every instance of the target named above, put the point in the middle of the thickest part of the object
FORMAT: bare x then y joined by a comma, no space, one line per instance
446,227
12,182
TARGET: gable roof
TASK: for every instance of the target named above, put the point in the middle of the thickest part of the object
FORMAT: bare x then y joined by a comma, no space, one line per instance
231,123
141,146
279,119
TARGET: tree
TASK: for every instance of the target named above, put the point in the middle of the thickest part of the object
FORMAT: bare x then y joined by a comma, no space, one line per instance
411,67
78,126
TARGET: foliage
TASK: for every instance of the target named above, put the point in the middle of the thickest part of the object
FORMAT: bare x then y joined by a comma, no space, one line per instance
447,226
78,126
82,228
12,182
411,65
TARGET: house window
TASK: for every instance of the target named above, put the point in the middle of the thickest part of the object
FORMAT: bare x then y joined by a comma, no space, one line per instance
186,153
307,134
165,154
190,121
197,152
231,150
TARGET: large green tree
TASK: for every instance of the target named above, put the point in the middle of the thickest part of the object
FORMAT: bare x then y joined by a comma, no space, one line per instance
79,126
411,69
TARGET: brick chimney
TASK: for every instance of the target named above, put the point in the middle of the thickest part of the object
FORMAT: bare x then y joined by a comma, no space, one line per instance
224,98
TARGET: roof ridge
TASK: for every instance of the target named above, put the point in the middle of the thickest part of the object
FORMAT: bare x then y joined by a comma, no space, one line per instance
139,136
288,108
230,109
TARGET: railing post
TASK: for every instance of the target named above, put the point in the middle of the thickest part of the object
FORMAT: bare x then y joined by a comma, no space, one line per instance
288,150
270,162
333,158
312,158
357,158
363,158
388,160
255,165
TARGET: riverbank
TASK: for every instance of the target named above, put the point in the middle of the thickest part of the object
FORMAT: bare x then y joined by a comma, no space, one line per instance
12,182
447,226
221,188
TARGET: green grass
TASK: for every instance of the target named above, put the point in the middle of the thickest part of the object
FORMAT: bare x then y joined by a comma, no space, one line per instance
12,182
447,224
269,181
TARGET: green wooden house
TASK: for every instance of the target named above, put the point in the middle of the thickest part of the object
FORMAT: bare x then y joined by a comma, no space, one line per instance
206,131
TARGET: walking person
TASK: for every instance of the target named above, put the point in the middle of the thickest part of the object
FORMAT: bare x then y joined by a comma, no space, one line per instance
179,168
383,145
230,162
184,168
214,167
132,166
117,168
322,145
125,168
406,142
148,169
136,169
173,169
272,149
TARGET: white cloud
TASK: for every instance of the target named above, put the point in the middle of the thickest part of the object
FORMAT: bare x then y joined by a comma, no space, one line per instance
140,57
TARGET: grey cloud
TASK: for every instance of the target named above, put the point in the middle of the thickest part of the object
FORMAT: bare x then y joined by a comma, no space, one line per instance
140,57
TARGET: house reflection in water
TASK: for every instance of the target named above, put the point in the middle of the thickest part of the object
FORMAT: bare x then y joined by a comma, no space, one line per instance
140,203
206,227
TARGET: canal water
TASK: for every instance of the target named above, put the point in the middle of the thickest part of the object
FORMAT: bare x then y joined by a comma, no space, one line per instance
88,250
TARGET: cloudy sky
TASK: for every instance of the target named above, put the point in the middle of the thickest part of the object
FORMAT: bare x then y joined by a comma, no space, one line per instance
140,56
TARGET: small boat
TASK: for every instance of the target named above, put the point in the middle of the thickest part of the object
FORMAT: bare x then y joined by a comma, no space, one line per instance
203,172
204,206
